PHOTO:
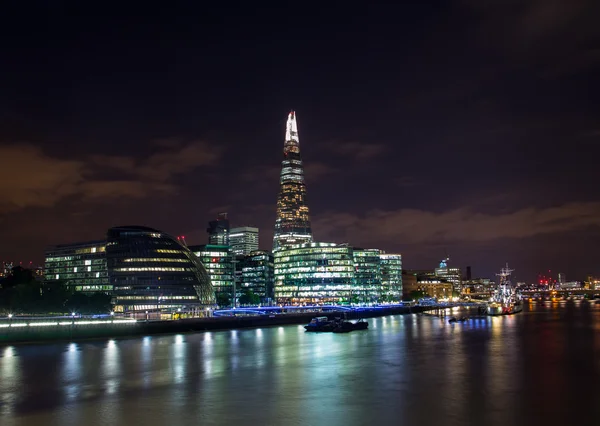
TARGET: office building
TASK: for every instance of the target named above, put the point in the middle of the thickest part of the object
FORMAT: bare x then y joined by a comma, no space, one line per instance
315,273
219,262
391,277
367,273
143,269
80,266
449,274
292,223
258,275
418,286
243,240
218,230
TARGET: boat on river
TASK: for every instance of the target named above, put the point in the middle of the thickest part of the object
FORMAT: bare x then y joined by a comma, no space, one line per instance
348,326
320,324
506,300
337,325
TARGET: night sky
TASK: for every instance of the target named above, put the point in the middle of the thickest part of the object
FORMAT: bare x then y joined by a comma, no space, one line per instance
470,127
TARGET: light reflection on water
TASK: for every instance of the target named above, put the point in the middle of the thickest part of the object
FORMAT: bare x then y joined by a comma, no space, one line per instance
411,369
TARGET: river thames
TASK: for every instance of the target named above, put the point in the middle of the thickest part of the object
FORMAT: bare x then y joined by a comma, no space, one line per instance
541,366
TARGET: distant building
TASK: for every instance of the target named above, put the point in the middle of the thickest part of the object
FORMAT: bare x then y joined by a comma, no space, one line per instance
81,266
561,278
452,275
219,262
243,240
218,230
258,275
478,285
592,283
572,285
6,269
428,287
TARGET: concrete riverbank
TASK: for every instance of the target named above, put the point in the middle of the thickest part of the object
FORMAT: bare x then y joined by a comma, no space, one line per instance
75,330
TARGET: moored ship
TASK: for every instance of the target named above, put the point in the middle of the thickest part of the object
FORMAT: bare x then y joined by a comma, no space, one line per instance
506,300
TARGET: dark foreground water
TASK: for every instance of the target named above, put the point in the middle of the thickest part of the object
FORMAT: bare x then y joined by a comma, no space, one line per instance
538,367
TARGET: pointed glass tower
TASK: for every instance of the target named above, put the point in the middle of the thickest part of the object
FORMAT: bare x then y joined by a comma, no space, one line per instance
292,225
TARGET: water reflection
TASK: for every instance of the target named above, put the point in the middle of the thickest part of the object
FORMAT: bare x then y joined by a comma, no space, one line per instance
411,369
10,378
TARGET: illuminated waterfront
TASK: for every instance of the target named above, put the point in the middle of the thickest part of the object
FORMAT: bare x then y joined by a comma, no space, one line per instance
538,367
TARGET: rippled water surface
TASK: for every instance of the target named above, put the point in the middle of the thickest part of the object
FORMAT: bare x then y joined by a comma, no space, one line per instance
538,367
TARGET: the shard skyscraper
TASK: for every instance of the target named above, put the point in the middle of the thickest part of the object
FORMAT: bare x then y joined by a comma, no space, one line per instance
292,225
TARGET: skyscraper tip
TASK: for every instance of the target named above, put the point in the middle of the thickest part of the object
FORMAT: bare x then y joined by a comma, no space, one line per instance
291,132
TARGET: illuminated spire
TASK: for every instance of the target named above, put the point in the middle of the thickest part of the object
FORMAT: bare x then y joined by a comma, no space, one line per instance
291,128
292,225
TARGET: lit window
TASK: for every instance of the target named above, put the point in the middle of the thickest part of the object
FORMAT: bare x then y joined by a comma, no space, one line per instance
88,262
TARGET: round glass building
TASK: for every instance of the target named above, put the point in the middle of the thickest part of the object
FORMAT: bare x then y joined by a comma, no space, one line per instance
152,271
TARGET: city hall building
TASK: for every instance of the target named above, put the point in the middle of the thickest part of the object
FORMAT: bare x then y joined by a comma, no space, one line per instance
142,268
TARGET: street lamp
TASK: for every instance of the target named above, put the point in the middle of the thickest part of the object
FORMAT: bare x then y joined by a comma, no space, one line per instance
146,316
9,316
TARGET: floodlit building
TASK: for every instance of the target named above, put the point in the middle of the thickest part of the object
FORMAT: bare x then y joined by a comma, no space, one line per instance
428,287
292,224
219,262
243,240
315,273
81,266
258,275
391,277
449,274
367,273
143,269
152,271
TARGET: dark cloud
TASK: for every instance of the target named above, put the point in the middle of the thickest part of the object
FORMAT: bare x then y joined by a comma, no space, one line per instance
31,178
463,225
163,165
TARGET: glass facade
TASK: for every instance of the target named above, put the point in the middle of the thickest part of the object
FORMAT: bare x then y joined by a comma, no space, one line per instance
151,271
218,260
367,271
314,273
218,230
243,240
258,275
391,277
81,266
292,224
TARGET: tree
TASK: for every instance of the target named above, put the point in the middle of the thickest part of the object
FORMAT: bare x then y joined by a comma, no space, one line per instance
248,297
55,295
223,300
417,294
